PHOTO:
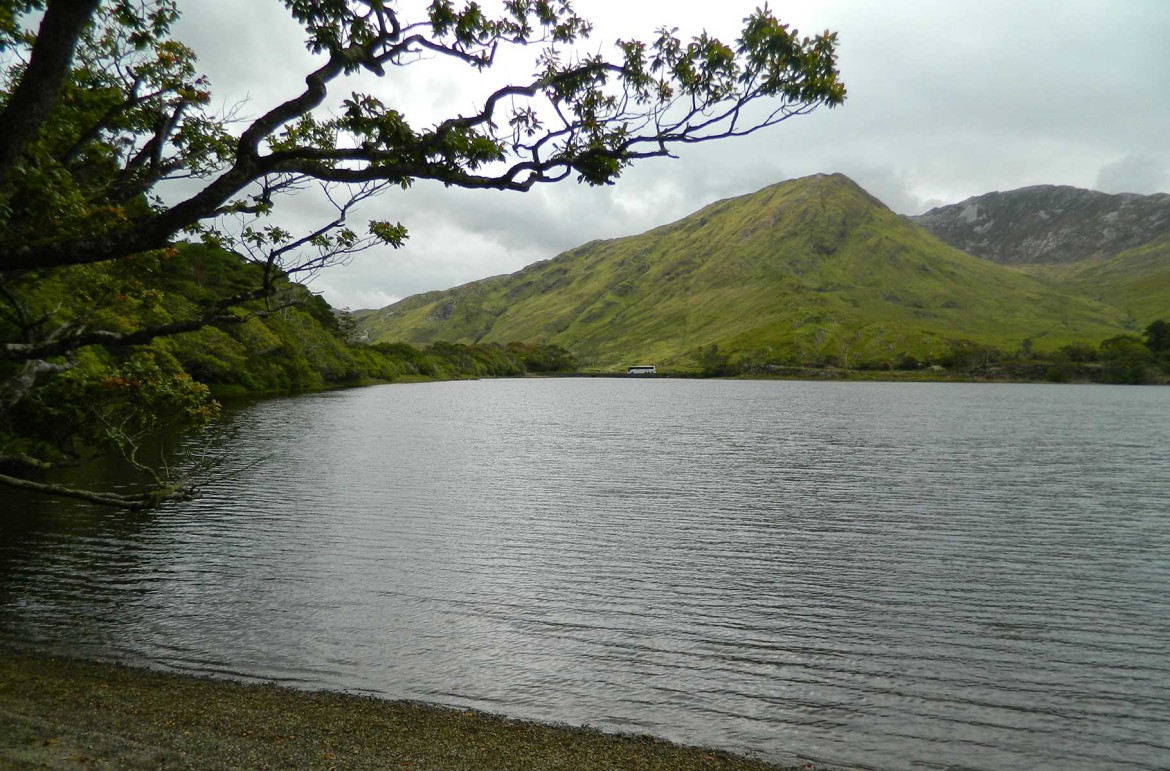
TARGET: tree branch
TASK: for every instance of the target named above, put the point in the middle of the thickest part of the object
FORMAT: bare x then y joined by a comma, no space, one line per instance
145,500
17,387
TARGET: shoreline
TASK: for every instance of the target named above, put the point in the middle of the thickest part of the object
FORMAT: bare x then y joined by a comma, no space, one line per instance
809,375
68,713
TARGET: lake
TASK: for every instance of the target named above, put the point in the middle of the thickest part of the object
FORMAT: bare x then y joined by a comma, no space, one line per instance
896,575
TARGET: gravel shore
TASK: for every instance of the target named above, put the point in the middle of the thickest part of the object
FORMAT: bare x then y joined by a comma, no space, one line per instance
65,713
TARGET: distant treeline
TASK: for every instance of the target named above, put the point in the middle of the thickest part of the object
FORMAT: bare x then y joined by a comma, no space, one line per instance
1126,359
305,348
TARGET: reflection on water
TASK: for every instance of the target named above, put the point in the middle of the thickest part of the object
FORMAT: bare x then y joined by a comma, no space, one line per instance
897,575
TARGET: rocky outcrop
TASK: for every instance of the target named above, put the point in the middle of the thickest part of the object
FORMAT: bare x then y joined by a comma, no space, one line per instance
1049,224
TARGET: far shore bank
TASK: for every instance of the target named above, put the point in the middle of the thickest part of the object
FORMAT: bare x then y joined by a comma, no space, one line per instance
66,713
797,374
813,374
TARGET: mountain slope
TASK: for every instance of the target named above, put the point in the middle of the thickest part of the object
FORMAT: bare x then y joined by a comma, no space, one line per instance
809,271
1136,281
1049,224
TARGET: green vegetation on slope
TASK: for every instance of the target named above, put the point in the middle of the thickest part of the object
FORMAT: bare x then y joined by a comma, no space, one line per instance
294,341
305,345
808,272
1137,281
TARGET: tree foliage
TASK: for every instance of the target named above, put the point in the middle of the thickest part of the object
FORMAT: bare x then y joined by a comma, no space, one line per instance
1121,359
110,154
1157,336
1125,360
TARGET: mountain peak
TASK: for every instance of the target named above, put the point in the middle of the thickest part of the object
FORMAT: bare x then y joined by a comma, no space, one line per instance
825,182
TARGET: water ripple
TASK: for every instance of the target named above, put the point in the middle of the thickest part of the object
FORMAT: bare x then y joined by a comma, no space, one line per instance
905,576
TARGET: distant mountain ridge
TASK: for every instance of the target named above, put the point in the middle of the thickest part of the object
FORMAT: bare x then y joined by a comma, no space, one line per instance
1049,224
810,271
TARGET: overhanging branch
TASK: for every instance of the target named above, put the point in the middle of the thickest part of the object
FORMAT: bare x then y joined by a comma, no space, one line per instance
145,500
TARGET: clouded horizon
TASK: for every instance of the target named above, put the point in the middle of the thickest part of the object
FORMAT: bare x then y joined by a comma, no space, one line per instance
946,101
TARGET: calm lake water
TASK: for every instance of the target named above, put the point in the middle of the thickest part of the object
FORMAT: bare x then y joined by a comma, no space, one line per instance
896,575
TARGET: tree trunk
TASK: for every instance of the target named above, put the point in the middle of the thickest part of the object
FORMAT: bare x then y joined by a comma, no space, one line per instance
49,62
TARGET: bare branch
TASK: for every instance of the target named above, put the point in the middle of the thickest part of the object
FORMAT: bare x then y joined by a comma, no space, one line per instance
18,386
145,500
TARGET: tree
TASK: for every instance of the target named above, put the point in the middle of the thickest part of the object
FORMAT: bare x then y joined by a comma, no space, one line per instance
1157,336
1125,359
101,109
713,362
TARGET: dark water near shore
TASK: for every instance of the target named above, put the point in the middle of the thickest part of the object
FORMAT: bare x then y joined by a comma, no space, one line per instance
898,575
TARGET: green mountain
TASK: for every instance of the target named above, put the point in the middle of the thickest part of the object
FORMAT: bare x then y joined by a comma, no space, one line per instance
810,271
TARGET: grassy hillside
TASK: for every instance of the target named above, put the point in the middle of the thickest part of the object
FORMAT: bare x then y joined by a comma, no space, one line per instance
306,346
1136,281
809,271
295,341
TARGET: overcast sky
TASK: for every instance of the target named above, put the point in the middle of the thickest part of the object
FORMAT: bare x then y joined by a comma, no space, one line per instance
946,100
